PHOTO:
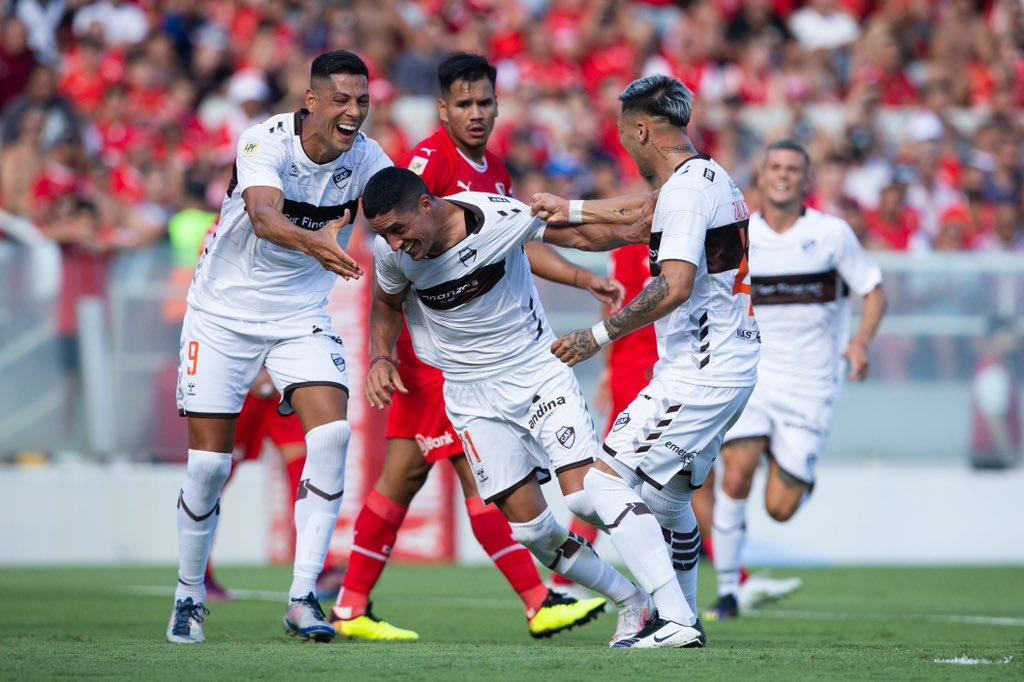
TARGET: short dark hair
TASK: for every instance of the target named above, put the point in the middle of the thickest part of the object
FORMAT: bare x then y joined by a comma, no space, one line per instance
338,61
790,145
392,188
659,95
464,66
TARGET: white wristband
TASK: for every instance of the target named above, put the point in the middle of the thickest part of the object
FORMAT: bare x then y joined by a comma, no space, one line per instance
575,211
601,335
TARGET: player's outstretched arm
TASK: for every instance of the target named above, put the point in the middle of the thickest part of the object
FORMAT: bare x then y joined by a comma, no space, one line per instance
386,319
547,263
871,314
597,236
264,204
663,294
628,209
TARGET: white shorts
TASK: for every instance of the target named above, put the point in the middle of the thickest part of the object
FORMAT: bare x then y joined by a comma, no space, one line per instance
673,427
220,358
796,424
521,425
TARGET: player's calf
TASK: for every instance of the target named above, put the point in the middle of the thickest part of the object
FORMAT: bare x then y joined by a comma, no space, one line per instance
784,493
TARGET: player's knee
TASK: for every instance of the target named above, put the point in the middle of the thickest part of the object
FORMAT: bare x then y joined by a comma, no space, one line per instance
782,508
667,507
736,482
543,536
208,470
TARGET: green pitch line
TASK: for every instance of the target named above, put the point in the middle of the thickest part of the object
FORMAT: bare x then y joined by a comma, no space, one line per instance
879,623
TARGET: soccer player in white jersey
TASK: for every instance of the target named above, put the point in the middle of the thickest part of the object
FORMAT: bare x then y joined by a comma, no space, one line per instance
663,445
258,298
456,270
803,264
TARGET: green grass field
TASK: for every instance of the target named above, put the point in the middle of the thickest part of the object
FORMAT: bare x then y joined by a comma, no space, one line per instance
877,623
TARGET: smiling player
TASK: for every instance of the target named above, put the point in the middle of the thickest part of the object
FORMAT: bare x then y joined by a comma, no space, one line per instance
259,298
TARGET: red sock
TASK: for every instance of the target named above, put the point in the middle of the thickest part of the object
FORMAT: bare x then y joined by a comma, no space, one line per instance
294,467
585,531
376,528
495,535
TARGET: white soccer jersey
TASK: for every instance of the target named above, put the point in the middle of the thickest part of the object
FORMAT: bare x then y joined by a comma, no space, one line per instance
800,280
701,218
244,277
473,310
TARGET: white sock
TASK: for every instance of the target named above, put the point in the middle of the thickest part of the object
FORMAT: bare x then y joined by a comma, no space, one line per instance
580,505
728,534
198,514
571,556
637,535
679,527
317,502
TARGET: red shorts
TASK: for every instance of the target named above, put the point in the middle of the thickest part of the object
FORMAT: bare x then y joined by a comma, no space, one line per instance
627,380
419,414
260,420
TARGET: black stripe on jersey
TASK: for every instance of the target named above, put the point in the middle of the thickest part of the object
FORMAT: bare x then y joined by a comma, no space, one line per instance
454,293
234,178
725,247
297,120
310,217
813,287
474,216
696,157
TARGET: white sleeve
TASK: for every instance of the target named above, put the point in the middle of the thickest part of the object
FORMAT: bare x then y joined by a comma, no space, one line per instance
683,217
260,161
855,266
526,228
389,275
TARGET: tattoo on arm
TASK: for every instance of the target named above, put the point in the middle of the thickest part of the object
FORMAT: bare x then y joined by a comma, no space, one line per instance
634,315
582,341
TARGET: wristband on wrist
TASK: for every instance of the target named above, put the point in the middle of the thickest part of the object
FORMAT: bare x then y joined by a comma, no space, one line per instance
601,334
575,211
382,357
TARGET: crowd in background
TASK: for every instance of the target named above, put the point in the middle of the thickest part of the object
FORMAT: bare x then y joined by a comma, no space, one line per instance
115,115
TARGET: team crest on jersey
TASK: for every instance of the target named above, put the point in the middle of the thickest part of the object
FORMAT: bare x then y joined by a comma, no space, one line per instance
418,165
709,174
467,256
341,176
621,421
339,361
566,436
808,245
250,148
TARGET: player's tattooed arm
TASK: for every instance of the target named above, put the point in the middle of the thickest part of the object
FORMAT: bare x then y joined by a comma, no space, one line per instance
625,210
264,206
663,294
386,320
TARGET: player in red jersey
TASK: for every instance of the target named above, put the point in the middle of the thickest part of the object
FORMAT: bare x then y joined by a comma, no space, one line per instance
453,159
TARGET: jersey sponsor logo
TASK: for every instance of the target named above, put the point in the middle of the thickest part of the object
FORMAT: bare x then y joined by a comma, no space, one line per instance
250,148
464,186
427,151
430,443
543,407
621,422
566,436
709,174
499,200
341,177
293,171
815,287
725,247
310,217
418,164
339,361
456,292
467,256
687,456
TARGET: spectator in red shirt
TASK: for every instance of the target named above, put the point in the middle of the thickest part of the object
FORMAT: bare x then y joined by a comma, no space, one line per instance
894,225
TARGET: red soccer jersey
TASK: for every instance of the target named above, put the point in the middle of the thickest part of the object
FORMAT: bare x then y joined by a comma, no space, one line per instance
446,170
631,266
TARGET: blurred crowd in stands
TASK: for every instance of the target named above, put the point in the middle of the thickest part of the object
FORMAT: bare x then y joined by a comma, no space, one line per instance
117,115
